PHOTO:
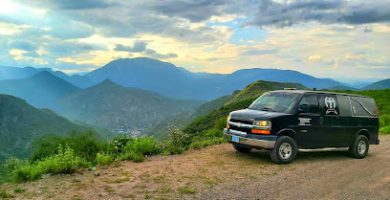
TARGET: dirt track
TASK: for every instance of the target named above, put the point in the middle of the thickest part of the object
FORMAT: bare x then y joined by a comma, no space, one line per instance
320,175
218,172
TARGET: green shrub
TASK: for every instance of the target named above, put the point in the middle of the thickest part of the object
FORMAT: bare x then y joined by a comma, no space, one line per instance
64,162
170,148
213,133
104,159
136,156
178,141
220,123
138,148
27,172
85,145
117,145
385,130
384,120
144,145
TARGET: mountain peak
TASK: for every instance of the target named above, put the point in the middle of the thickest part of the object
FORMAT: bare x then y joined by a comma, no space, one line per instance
43,74
133,62
107,84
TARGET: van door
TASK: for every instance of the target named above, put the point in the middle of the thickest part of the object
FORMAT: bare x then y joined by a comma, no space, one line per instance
331,125
309,123
345,121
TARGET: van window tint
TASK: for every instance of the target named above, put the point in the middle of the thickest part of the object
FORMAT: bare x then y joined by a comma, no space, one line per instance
329,105
275,102
362,106
309,104
344,105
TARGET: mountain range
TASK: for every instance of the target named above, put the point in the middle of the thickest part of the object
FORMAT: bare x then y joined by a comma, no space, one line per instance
168,80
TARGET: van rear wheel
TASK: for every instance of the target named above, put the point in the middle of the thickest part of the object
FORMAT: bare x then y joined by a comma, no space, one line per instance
285,150
241,148
359,147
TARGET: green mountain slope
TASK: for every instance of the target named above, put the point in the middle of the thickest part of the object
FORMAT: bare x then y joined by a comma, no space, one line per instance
238,100
119,109
161,130
21,123
383,84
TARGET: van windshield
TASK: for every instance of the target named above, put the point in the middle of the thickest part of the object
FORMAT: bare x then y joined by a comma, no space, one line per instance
283,102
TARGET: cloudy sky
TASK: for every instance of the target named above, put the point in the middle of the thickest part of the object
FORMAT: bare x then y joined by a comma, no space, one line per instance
341,39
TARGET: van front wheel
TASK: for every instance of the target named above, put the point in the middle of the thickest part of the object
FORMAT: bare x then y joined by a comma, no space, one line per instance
359,148
284,151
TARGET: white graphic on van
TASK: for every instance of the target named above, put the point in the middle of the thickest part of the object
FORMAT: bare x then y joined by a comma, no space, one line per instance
304,121
330,104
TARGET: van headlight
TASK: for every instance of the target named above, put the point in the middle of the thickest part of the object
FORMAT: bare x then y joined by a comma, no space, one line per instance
227,121
262,124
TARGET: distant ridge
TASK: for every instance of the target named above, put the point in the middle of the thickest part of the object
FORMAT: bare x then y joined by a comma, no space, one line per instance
383,84
169,80
119,109
43,90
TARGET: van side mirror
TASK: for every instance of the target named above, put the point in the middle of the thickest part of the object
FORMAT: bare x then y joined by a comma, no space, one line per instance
303,108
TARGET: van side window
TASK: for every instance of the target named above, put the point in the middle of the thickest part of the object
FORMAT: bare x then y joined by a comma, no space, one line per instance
329,105
309,104
344,105
362,106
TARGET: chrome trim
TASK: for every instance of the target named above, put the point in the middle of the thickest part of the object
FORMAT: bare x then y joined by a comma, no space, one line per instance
238,132
324,149
241,125
261,144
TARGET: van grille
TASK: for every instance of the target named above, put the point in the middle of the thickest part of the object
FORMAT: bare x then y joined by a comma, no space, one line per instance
241,121
240,129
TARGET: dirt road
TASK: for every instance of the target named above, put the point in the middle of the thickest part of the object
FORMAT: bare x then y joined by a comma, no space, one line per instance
218,172
320,175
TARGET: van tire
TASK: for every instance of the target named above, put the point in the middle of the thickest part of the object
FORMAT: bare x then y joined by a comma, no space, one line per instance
241,148
359,147
284,146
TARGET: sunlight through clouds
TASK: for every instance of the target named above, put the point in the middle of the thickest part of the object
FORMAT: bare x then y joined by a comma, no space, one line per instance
322,38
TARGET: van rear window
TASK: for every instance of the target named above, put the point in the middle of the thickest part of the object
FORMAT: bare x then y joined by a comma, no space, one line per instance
345,105
362,106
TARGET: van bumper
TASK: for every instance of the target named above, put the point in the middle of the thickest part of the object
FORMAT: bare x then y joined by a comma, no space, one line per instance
260,142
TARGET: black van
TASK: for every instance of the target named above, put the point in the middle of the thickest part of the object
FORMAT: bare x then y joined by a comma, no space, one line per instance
284,121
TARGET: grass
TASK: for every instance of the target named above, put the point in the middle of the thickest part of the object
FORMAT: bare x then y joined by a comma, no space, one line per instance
165,189
186,190
19,190
5,195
